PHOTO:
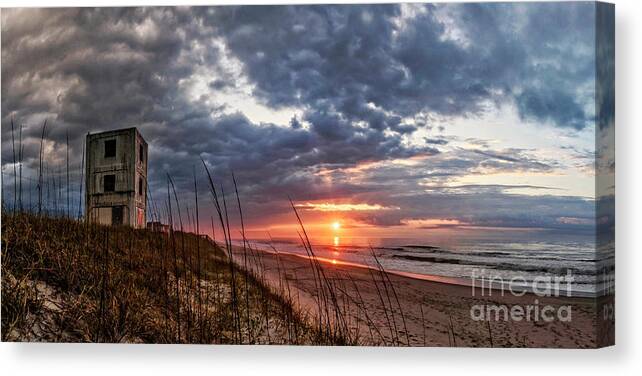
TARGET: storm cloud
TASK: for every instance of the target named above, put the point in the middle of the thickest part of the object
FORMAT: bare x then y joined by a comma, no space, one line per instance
360,81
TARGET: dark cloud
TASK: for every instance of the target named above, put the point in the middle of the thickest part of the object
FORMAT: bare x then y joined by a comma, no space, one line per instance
492,209
358,74
554,106
352,57
436,141
485,188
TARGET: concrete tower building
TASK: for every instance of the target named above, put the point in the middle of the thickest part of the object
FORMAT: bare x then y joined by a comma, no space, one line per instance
116,178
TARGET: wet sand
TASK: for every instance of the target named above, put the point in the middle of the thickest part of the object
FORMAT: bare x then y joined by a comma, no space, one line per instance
432,313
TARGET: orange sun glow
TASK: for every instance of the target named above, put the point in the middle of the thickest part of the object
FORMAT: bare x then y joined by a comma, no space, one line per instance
336,225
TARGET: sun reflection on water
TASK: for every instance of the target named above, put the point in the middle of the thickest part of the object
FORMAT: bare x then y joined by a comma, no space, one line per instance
335,252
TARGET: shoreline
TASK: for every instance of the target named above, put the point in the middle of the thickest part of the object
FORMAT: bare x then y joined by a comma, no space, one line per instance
485,281
435,313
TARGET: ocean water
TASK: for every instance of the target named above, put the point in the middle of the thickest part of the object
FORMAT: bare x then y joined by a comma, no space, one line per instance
522,265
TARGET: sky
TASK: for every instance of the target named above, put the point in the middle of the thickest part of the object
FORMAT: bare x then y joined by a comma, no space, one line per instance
393,120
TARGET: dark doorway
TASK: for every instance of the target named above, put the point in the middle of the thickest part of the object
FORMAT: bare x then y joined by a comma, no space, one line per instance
117,215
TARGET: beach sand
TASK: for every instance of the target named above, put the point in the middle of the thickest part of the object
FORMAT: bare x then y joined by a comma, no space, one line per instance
434,313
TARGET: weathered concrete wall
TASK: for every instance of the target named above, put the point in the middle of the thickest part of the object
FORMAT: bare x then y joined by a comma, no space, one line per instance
125,203
140,181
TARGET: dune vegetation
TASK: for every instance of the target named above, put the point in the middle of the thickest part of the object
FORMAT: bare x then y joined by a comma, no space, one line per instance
68,281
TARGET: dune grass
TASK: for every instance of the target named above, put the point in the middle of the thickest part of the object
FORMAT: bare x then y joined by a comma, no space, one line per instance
67,281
